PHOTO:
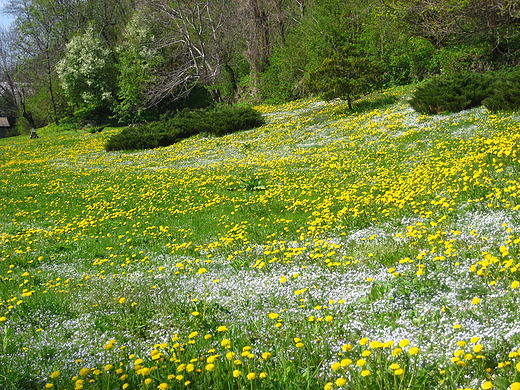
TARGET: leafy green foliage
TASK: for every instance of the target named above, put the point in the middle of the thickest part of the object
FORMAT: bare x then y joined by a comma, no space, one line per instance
217,121
344,75
505,93
451,93
87,72
135,65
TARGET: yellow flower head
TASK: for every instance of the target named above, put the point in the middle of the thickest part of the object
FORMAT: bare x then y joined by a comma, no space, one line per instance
404,343
361,362
84,371
487,385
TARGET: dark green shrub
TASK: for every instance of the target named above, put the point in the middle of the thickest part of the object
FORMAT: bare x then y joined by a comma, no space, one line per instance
96,129
452,93
505,93
217,121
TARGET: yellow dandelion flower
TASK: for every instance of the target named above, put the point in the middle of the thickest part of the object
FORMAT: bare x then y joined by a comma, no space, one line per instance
515,386
404,343
84,371
266,355
361,362
222,328
237,373
335,366
226,343
210,367
365,373
163,386
55,374
148,381
273,316
341,382
487,385
251,376
263,375
414,351
328,386
346,347
346,362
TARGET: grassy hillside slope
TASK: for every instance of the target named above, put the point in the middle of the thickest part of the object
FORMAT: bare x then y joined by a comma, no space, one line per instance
325,249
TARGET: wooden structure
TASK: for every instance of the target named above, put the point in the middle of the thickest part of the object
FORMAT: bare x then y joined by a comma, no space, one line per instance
4,127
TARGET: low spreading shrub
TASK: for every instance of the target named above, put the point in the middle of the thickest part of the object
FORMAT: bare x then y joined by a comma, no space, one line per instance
505,93
216,121
452,93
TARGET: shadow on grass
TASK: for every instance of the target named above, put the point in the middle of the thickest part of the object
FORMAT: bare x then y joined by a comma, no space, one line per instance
373,102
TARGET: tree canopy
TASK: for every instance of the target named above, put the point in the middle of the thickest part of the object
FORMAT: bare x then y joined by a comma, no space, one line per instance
137,59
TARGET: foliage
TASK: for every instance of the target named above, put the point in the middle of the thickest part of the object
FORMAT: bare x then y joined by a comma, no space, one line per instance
505,93
218,121
135,63
346,75
452,92
87,71
465,58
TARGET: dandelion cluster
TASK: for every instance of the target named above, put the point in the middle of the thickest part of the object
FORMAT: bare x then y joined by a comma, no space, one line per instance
325,249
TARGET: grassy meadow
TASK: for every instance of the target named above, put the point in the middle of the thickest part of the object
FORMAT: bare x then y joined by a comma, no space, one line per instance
324,250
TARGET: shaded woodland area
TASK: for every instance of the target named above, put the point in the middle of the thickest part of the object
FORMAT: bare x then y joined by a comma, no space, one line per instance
131,61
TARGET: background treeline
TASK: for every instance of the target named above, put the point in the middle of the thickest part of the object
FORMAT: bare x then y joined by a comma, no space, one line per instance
130,61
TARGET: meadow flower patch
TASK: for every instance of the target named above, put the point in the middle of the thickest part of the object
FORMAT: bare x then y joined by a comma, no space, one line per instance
325,249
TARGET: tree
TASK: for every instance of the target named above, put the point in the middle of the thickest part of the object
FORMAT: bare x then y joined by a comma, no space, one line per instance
345,75
87,72
9,93
195,41
136,61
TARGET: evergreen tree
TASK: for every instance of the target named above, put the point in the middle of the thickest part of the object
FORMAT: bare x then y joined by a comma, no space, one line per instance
345,75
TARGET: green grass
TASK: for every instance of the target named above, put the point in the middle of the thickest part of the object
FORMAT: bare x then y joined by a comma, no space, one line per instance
274,258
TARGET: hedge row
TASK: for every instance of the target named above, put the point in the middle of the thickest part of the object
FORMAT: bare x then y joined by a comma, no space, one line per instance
218,121
457,92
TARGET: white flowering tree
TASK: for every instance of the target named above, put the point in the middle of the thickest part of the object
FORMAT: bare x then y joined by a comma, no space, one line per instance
87,72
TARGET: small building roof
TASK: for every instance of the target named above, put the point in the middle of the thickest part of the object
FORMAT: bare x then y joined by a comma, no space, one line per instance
4,122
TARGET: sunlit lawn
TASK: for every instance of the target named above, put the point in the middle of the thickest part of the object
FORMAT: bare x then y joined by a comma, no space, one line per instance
374,250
